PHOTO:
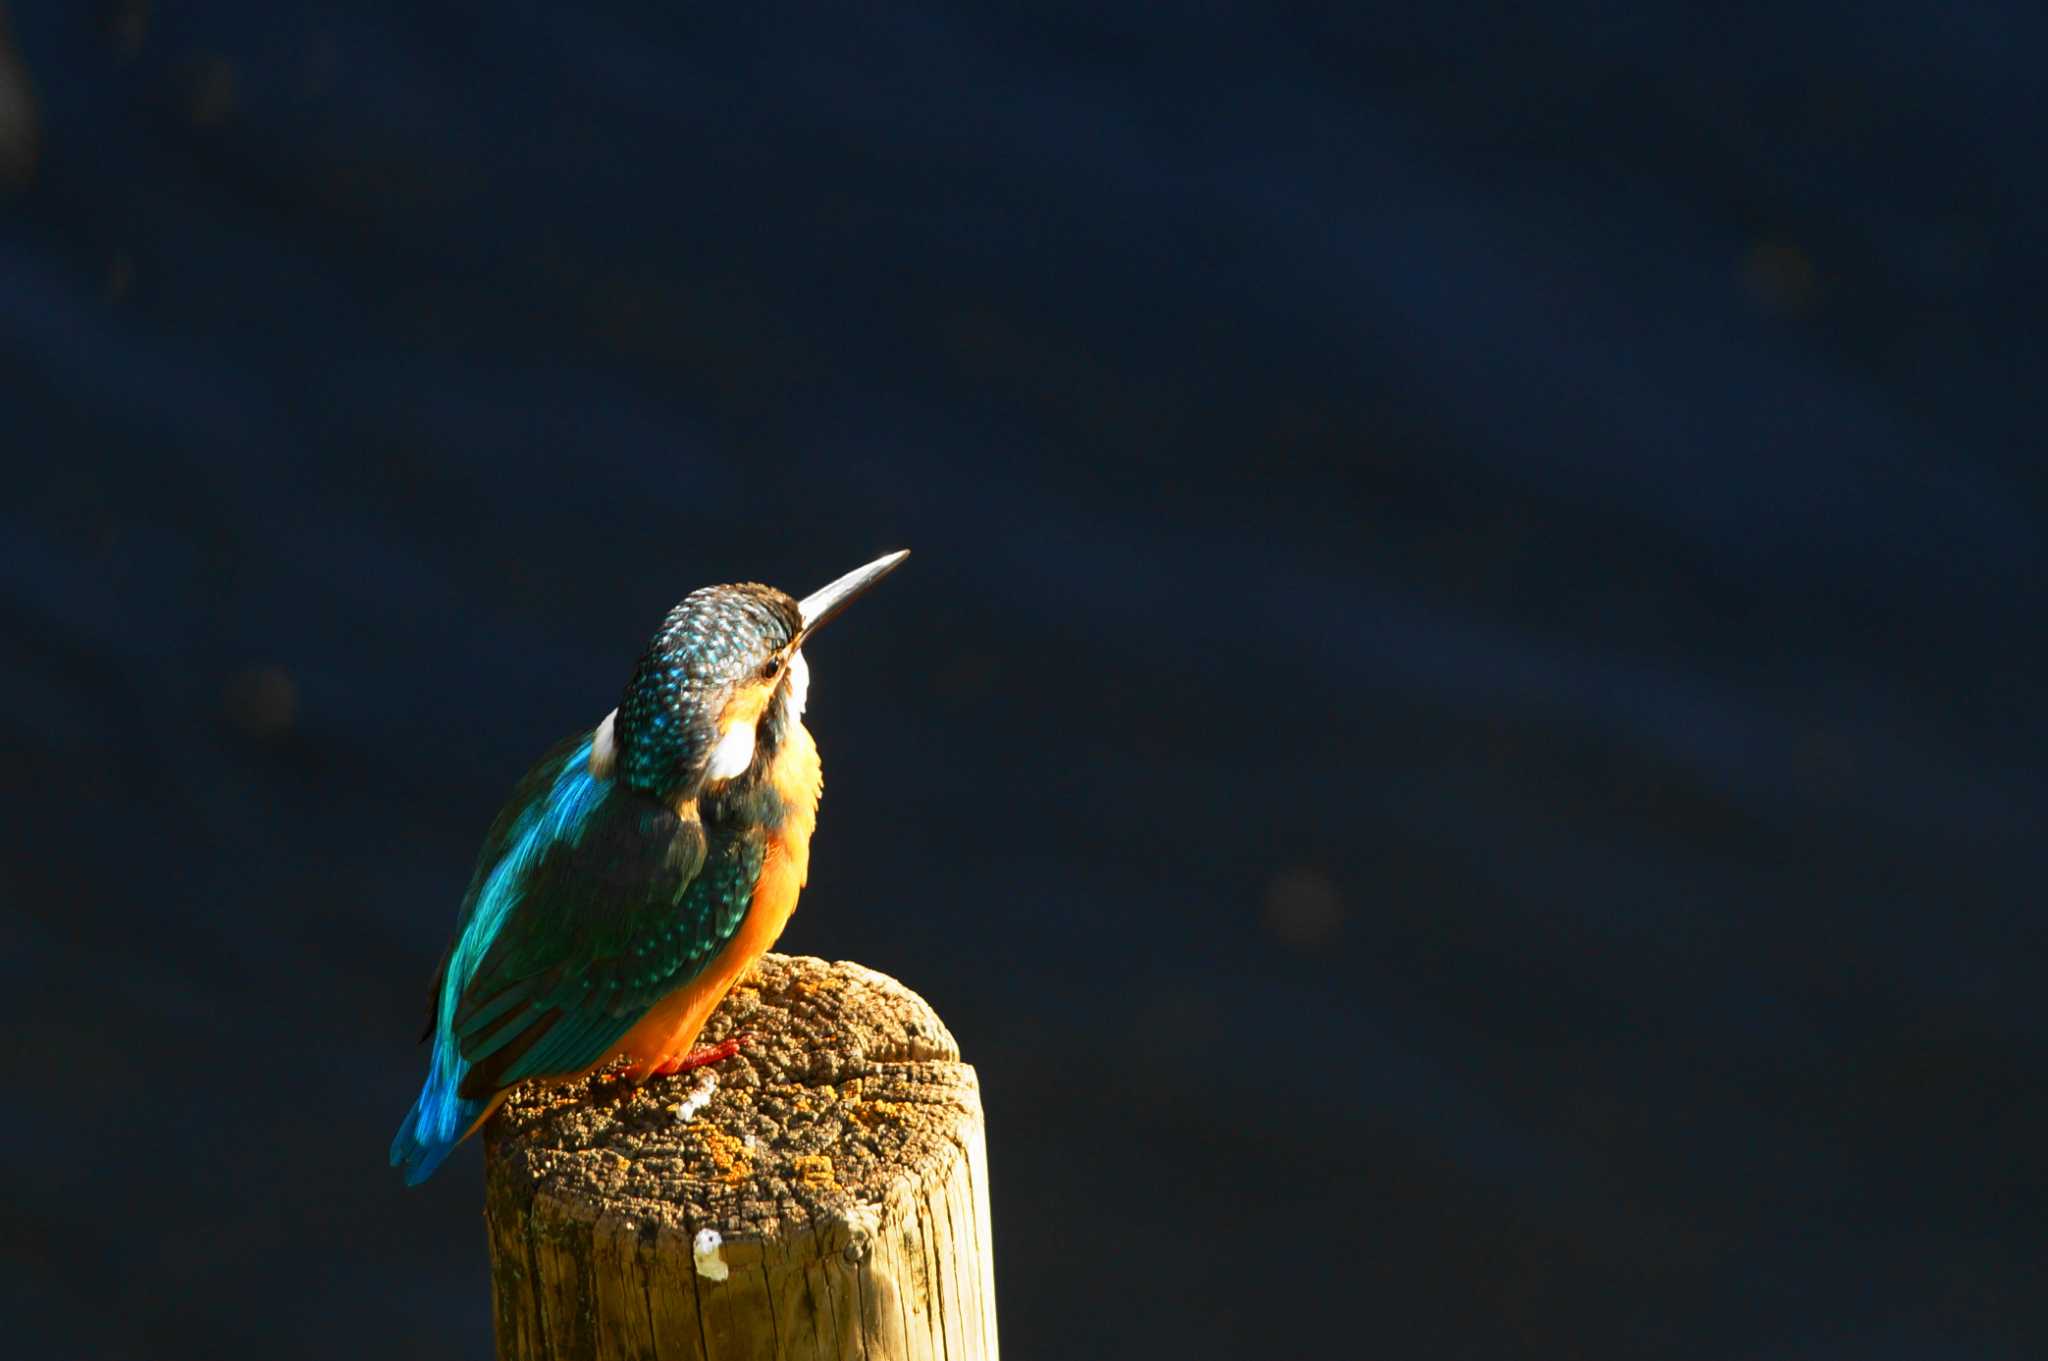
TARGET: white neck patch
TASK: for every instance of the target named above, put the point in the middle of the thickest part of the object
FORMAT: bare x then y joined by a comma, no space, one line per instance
603,747
733,754
799,684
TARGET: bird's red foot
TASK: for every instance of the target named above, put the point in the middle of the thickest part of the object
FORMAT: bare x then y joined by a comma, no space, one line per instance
697,1058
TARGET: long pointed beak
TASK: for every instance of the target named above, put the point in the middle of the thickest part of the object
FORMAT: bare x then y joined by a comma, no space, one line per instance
820,605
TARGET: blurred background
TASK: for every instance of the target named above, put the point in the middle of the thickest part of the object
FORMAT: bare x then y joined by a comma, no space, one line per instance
1461,746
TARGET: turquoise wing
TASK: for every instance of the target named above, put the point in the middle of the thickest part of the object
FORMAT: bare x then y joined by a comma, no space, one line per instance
589,904
625,903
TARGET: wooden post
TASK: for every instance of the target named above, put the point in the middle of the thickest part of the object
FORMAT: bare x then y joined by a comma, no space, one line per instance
824,1194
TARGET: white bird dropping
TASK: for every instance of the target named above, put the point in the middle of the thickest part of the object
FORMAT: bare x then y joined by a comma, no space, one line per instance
700,1097
704,1252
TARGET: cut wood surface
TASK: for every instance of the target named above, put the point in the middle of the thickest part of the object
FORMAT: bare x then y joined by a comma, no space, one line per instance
829,1199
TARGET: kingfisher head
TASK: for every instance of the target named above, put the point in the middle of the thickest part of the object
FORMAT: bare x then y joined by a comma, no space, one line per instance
721,681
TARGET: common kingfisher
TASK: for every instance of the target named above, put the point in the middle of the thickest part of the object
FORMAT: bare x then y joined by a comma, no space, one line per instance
637,870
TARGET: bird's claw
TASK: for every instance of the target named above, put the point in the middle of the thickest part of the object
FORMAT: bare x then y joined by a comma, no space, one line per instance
697,1058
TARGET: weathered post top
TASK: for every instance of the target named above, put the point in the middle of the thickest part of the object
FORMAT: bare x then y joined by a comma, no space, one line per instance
822,1194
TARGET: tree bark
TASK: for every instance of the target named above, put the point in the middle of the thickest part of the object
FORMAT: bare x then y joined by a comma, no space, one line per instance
839,1164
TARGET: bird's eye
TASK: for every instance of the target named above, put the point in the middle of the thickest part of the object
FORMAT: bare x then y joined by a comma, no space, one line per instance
770,667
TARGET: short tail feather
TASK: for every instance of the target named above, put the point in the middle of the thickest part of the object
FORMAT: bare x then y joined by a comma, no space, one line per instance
437,1122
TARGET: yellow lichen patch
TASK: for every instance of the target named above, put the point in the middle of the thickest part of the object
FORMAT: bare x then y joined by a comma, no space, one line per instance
870,1114
815,1170
728,1155
814,984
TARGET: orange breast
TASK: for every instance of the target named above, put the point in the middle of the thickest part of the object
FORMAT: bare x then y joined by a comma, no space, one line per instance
671,1028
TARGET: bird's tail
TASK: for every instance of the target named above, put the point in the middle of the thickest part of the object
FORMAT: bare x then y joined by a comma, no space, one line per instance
439,1120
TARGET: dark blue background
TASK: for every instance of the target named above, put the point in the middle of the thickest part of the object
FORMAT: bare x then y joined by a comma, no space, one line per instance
1461,747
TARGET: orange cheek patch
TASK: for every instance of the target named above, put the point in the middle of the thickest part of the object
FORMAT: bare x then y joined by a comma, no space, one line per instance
746,706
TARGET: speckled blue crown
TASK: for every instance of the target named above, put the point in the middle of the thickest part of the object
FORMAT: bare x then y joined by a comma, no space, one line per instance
718,635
